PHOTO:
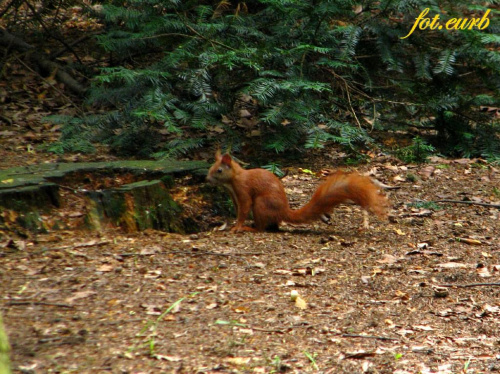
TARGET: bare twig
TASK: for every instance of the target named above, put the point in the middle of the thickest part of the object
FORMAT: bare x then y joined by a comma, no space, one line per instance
204,37
166,34
470,285
73,43
210,253
40,59
127,254
368,337
280,331
13,2
74,190
39,303
83,245
202,253
348,95
54,87
350,105
47,30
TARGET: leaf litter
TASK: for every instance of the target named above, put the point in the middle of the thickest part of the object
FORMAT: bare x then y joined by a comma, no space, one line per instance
417,295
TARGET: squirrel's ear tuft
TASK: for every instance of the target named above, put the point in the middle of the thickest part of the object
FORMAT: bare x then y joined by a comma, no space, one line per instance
218,154
226,159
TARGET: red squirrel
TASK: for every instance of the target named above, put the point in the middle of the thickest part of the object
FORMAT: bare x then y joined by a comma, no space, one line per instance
262,192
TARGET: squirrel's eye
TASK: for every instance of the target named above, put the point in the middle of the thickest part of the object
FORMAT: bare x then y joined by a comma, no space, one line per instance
219,170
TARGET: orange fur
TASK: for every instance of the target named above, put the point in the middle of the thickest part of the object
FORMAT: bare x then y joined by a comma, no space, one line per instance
261,191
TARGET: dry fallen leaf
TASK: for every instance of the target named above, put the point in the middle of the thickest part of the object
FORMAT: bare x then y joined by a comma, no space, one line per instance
491,309
152,309
453,265
427,172
441,291
388,259
483,272
470,241
360,354
404,332
366,366
238,360
105,268
176,308
402,295
365,279
282,272
241,309
464,161
423,328
300,303
150,250
79,295
248,332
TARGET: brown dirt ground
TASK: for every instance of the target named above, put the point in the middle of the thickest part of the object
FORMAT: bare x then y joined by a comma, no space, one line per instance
215,302
75,301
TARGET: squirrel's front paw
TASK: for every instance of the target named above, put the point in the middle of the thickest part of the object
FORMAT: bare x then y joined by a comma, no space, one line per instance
242,229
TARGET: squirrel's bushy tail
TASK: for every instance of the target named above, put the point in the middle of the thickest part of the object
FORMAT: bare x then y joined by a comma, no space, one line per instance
338,188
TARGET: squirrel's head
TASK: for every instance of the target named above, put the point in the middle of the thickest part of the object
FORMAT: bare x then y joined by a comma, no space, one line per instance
221,171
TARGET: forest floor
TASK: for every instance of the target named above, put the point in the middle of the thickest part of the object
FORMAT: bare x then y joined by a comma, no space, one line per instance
417,294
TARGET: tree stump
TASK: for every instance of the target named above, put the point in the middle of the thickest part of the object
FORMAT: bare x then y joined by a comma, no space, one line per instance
143,201
135,207
24,199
